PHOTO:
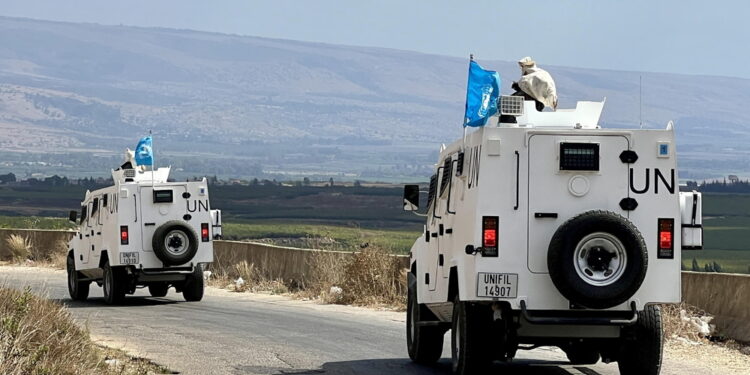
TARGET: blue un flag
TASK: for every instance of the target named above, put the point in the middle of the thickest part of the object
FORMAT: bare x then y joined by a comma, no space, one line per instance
144,154
482,92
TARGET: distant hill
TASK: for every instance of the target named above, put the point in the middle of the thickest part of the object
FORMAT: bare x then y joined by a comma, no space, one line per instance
72,96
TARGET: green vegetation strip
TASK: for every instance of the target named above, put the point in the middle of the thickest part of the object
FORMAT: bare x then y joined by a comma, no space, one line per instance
328,237
726,221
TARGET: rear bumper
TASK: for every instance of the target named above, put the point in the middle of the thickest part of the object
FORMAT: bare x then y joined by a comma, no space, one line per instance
144,275
581,318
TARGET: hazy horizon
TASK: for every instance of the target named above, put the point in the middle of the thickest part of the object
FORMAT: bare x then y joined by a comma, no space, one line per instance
667,37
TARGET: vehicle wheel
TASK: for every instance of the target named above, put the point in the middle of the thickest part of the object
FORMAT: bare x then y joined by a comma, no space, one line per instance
597,259
193,289
175,243
78,290
643,344
425,343
158,289
114,284
469,338
581,354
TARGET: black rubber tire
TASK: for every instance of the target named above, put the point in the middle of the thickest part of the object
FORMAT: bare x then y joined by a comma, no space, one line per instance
424,343
582,354
113,284
158,289
470,338
194,285
560,260
643,344
160,248
78,290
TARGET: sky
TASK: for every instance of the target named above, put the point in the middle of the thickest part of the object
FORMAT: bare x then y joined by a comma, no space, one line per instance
673,36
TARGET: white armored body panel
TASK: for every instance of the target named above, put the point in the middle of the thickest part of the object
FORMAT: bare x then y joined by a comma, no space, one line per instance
548,230
143,231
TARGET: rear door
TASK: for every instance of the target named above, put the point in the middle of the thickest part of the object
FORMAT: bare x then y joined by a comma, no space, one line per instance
158,205
569,175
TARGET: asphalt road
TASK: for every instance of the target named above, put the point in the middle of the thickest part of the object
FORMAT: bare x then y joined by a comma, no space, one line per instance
241,333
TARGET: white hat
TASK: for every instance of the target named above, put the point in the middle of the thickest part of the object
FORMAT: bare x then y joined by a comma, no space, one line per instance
526,62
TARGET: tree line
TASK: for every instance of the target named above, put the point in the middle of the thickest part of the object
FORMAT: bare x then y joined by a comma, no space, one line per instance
721,186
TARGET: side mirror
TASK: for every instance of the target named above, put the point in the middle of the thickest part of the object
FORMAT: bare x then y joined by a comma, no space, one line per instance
73,216
411,197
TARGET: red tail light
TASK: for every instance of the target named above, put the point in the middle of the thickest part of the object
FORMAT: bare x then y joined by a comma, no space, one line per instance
124,237
489,235
666,238
204,232
490,238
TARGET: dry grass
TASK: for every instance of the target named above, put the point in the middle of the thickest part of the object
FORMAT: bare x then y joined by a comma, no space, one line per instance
252,279
675,327
56,257
17,248
679,332
372,277
38,336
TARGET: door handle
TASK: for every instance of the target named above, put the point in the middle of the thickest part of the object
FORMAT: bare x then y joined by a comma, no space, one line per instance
542,215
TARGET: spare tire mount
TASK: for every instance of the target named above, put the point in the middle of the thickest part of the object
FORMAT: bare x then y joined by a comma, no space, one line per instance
175,243
597,259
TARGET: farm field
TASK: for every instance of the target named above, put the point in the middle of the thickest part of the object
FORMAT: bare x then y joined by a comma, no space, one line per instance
348,218
321,236
726,221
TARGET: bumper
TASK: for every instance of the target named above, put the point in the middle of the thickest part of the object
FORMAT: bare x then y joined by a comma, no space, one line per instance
143,275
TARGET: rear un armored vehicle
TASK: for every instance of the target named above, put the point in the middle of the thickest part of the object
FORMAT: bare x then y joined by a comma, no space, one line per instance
143,232
547,230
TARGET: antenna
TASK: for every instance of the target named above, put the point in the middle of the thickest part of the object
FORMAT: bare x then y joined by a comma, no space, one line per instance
640,99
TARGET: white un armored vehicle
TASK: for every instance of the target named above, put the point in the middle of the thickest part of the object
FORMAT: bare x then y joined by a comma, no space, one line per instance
544,229
143,231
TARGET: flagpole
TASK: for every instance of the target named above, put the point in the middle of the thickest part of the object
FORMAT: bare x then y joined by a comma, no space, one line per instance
153,159
463,146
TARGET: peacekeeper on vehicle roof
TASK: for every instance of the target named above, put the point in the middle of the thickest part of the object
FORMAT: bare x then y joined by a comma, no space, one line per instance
535,84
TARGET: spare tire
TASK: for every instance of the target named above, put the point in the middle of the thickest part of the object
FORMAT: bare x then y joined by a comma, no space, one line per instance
597,259
175,243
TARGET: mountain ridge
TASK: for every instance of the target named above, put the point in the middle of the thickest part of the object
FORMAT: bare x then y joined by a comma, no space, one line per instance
359,111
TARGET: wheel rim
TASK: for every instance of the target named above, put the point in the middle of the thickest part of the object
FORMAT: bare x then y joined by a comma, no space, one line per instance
176,242
600,259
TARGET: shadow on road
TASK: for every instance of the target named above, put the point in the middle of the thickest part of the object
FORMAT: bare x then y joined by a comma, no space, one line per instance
129,301
405,366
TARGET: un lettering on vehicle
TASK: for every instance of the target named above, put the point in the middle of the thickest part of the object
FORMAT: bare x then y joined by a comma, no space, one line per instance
198,205
659,178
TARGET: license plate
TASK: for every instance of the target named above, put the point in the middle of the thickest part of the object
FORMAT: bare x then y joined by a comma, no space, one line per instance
497,285
129,258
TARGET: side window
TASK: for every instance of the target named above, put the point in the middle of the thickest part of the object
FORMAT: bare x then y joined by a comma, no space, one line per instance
90,213
432,191
84,211
105,198
447,175
95,207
